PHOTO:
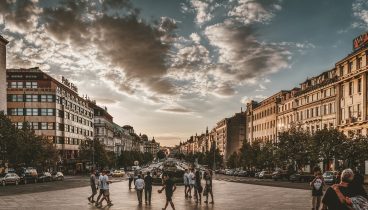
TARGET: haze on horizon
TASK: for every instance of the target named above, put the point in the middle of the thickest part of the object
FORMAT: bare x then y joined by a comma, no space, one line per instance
172,68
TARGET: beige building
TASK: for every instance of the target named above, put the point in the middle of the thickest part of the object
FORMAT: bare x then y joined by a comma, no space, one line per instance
52,108
3,104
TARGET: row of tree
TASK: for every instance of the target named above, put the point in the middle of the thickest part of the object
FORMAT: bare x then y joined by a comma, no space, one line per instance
21,147
95,152
299,148
211,158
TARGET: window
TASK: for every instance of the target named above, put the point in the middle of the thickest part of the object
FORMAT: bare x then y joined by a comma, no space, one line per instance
31,85
50,126
43,126
350,67
16,85
31,98
359,85
32,112
50,112
18,125
350,111
317,111
358,110
330,108
351,88
34,125
342,90
16,98
359,63
16,112
341,70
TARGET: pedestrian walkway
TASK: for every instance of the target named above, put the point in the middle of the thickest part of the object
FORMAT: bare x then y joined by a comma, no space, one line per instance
228,196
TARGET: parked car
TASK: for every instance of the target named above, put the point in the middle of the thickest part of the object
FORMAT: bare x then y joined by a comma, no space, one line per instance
10,178
57,176
329,177
242,173
118,173
28,175
45,177
265,175
256,175
301,177
280,175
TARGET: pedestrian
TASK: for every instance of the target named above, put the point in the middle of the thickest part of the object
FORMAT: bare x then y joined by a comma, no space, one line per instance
208,186
148,188
342,196
139,186
135,176
105,186
186,183
198,187
191,182
169,187
93,183
317,185
131,176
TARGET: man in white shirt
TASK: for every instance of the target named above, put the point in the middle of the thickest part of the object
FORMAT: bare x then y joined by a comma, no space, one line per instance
104,184
186,183
139,186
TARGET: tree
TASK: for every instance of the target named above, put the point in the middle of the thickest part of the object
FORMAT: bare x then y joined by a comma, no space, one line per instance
233,161
355,151
328,144
100,155
23,147
293,147
161,154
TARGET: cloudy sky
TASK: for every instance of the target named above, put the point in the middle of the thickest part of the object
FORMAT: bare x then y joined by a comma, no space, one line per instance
170,68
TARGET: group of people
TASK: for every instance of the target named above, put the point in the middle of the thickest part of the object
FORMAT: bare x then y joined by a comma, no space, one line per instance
192,181
348,194
145,183
101,183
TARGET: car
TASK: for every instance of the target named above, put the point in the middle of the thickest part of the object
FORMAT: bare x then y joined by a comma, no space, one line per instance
256,175
301,177
280,175
10,178
242,173
45,177
329,177
58,176
265,175
28,175
118,173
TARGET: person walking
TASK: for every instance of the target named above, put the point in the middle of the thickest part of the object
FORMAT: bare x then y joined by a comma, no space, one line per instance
317,185
93,183
105,186
139,186
208,186
169,187
186,183
198,187
148,188
131,176
191,179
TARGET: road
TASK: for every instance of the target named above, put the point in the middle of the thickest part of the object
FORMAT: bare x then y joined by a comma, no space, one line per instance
228,196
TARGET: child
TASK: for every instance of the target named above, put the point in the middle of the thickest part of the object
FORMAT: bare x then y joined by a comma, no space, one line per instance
317,190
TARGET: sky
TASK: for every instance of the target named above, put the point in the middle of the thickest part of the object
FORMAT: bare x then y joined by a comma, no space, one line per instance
171,68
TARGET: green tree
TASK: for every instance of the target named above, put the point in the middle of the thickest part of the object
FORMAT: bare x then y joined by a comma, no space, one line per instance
293,147
355,151
233,161
328,144
95,149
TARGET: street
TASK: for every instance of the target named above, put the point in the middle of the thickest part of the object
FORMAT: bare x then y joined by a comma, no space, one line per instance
228,196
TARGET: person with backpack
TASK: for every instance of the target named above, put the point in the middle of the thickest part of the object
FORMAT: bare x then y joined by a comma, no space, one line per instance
317,185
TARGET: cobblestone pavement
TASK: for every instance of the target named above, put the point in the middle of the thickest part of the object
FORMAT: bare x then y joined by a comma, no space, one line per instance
228,196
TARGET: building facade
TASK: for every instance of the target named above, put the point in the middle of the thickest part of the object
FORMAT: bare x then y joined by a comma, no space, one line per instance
52,109
3,102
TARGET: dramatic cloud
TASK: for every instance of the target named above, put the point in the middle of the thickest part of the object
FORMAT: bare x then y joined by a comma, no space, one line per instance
250,11
242,55
203,10
360,11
